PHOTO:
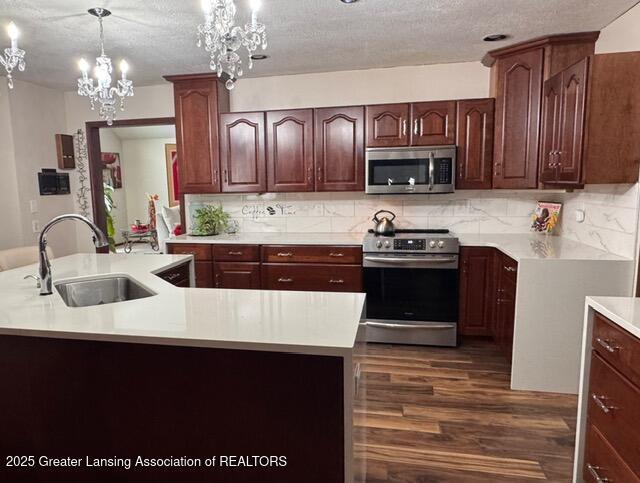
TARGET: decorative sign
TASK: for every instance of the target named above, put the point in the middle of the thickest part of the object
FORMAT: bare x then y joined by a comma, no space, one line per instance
261,211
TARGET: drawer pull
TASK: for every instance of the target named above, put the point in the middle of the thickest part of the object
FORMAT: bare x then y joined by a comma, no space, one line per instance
599,400
285,254
285,280
510,269
336,254
594,472
334,280
605,343
235,254
171,276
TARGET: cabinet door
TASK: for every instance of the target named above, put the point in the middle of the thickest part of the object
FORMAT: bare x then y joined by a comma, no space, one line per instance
339,149
519,89
387,125
574,91
242,152
474,138
204,274
196,104
433,123
477,291
237,275
290,150
551,117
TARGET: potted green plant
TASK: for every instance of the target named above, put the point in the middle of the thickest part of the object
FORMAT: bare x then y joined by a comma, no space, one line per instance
210,220
109,205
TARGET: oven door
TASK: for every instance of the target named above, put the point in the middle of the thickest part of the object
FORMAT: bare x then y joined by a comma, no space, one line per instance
410,170
411,299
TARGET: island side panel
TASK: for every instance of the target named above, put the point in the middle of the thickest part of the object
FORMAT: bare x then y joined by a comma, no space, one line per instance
86,398
549,318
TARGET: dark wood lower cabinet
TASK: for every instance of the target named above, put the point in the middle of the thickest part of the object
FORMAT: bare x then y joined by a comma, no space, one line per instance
323,278
237,275
178,276
477,291
204,275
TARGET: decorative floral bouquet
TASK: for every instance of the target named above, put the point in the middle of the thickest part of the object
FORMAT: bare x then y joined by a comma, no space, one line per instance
152,210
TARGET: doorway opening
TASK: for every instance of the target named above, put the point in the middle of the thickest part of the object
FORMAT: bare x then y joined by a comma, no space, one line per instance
134,183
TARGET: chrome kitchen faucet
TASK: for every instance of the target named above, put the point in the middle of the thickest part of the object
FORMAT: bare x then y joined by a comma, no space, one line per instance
46,281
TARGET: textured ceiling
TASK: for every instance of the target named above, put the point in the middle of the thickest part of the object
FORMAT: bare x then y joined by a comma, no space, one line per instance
158,37
144,132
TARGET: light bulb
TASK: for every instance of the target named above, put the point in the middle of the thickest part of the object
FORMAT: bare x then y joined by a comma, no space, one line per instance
13,31
124,67
206,6
255,5
83,65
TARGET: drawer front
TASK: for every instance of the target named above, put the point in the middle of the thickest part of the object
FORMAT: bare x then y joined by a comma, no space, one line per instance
602,463
236,253
614,409
349,255
618,347
176,275
199,251
204,274
324,278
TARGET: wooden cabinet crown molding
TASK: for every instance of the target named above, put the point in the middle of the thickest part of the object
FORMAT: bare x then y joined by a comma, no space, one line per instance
576,37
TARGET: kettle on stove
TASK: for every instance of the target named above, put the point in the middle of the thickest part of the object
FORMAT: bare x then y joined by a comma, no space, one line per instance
384,225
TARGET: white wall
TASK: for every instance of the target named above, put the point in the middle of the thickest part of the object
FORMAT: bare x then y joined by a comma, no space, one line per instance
398,84
11,230
622,35
37,114
145,171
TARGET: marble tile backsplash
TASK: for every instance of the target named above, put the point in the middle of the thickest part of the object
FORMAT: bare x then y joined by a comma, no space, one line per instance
610,223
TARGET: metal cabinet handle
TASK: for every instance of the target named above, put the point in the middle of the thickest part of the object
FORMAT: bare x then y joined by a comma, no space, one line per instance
599,400
285,280
171,276
510,269
226,177
415,127
404,127
336,254
217,280
356,376
594,472
605,343
236,254
285,254
334,280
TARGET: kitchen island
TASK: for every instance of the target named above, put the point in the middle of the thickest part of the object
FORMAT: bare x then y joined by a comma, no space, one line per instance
184,373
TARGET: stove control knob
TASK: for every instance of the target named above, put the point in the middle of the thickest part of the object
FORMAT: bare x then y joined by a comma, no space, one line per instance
387,244
440,244
432,244
379,244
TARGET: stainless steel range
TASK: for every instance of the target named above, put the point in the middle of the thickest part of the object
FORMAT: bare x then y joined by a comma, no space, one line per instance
411,281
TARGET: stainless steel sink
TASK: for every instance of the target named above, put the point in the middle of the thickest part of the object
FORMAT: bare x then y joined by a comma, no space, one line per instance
106,289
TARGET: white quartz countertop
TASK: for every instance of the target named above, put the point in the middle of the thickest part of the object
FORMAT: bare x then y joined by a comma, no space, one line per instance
526,246
274,239
305,322
624,311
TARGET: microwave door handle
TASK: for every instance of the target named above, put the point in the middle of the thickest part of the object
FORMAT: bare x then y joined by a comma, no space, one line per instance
431,169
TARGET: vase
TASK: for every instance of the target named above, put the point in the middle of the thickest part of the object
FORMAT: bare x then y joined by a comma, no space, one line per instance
152,215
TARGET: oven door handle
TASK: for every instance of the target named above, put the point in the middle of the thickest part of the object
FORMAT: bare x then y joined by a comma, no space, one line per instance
387,325
409,260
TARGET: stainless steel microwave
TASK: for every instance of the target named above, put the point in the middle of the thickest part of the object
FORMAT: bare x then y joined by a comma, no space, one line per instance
411,170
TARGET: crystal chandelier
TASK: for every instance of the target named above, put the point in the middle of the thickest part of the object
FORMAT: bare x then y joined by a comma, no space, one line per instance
223,39
103,93
13,56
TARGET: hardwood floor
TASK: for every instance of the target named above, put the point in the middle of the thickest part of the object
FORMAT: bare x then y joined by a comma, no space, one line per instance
425,414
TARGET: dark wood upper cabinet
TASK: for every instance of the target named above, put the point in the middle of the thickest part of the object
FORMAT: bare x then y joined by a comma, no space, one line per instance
474,139
518,114
199,99
242,152
517,74
65,151
477,291
388,125
550,134
433,123
339,149
290,150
